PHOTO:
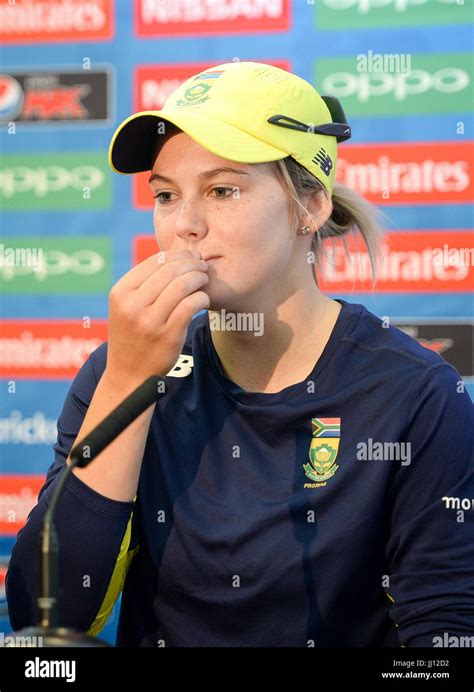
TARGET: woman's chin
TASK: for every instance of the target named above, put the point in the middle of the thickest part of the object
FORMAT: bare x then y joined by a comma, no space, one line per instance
222,297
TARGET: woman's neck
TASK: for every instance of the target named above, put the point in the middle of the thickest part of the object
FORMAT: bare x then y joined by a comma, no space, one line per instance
291,340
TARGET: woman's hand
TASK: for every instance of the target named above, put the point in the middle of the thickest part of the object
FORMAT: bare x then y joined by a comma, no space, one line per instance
150,309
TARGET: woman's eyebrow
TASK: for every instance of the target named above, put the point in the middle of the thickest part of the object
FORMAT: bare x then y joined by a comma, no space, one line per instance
204,175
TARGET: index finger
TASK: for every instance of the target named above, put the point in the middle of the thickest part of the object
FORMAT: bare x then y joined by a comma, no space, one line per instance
140,272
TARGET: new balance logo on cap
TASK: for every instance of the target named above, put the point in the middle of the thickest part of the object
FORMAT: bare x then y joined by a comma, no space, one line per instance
323,160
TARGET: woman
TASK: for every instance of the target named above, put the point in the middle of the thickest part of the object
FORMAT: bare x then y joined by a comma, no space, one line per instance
289,488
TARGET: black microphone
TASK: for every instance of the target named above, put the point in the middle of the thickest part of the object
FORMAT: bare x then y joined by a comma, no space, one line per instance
116,422
48,632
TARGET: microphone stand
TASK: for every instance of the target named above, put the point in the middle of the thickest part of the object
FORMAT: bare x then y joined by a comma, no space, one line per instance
48,632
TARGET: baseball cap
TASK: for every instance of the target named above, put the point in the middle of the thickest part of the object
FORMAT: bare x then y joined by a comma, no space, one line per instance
243,111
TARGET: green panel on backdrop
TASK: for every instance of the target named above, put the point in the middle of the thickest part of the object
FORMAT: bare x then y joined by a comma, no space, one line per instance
367,14
55,265
67,180
436,83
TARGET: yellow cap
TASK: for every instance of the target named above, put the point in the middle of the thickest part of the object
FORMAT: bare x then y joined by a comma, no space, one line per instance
242,111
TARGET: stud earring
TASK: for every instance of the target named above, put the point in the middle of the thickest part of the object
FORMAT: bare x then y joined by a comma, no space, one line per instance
305,230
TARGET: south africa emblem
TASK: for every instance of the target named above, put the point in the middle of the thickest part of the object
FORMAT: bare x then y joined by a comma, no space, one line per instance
323,450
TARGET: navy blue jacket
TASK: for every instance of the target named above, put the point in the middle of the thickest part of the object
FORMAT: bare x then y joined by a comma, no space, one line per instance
331,513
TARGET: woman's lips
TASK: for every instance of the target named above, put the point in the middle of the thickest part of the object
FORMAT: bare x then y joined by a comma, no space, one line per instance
212,259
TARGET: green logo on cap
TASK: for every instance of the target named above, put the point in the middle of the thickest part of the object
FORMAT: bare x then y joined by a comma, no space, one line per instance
195,94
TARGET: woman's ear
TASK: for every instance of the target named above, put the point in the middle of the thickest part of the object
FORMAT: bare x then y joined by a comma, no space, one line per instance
319,204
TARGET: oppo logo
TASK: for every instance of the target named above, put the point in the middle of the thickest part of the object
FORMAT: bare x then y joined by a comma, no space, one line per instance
55,263
364,6
448,80
43,180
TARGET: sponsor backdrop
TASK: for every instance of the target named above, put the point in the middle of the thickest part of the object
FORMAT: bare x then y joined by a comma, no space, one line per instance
71,70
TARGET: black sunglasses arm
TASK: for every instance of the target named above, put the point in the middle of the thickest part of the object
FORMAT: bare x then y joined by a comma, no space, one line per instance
341,131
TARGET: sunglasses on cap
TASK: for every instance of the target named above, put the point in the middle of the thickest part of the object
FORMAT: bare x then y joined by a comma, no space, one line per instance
339,128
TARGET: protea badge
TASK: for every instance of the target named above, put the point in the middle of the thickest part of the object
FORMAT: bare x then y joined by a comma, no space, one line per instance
323,449
195,94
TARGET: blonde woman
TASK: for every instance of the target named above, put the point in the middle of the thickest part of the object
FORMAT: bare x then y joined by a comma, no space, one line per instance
289,489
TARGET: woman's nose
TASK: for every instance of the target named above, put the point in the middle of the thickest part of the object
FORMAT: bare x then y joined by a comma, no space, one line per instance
191,221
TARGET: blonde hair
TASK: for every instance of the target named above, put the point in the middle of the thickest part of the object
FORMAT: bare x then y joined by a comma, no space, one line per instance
351,213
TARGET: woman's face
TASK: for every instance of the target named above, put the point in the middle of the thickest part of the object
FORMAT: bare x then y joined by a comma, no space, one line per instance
240,216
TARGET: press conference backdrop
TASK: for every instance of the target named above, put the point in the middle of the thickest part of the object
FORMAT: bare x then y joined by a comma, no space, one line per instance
72,70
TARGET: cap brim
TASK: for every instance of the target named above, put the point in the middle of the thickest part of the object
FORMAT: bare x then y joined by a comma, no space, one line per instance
131,147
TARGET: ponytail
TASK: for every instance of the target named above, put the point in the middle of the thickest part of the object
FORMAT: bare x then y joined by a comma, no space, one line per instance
351,213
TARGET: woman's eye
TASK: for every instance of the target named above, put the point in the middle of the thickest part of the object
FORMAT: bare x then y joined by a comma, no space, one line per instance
159,196
228,192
